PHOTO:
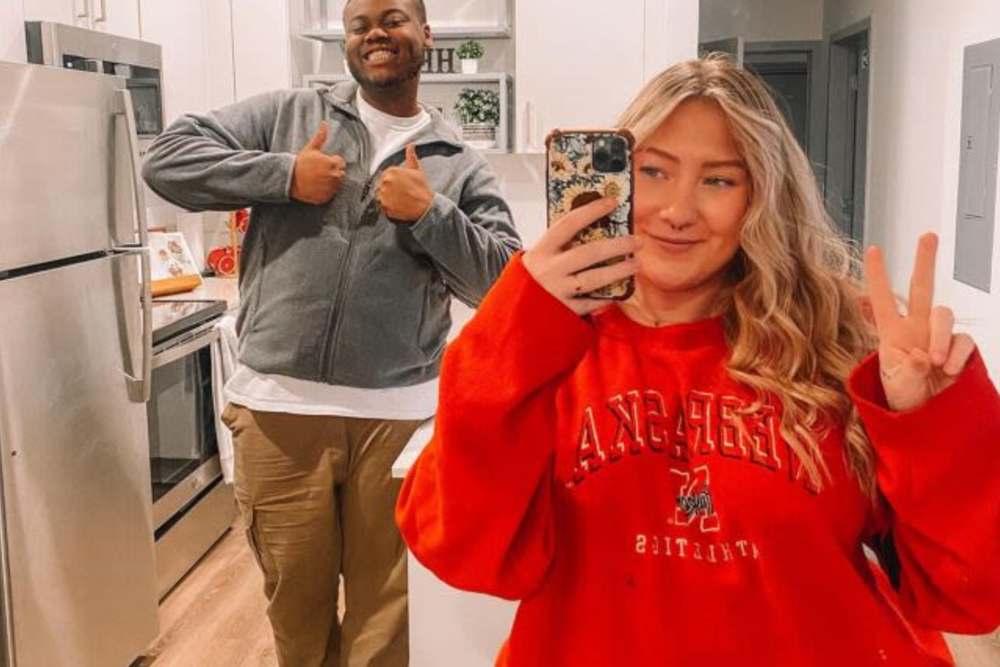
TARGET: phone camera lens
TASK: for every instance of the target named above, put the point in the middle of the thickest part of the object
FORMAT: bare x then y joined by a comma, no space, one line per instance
610,155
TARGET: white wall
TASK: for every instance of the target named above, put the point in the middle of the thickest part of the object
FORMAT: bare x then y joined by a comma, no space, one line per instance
670,34
761,20
12,47
914,126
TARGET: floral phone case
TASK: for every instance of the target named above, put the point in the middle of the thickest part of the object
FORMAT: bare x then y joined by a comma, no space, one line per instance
573,181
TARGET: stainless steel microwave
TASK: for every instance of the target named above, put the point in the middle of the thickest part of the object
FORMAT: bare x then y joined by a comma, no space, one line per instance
139,63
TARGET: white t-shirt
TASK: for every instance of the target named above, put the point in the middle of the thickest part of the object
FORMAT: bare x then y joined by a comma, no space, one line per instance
280,393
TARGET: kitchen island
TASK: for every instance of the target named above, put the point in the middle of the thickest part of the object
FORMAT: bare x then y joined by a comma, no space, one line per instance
449,626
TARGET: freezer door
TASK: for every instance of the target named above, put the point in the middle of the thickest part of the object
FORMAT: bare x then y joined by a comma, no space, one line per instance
65,165
74,466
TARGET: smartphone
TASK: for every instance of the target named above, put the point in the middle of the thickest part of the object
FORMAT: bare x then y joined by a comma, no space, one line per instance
586,165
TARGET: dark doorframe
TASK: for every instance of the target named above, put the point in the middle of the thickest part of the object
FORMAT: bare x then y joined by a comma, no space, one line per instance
847,128
799,56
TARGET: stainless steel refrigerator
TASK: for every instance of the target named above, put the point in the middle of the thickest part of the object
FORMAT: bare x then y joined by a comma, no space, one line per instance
76,536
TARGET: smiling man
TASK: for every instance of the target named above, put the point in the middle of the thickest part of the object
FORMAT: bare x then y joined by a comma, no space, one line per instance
369,215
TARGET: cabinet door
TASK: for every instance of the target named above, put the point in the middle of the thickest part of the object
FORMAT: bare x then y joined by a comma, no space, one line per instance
179,27
12,47
219,75
118,17
261,47
578,65
69,12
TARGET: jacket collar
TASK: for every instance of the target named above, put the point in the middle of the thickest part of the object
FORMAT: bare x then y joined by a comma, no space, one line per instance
342,97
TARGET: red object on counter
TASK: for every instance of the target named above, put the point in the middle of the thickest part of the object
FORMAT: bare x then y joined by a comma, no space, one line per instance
225,260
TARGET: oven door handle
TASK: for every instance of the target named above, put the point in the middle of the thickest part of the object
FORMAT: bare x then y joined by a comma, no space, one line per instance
176,352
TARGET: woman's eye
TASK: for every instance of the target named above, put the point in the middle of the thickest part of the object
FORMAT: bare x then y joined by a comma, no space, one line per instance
652,172
716,181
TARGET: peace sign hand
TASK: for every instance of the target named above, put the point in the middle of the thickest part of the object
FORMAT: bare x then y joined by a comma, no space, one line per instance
919,356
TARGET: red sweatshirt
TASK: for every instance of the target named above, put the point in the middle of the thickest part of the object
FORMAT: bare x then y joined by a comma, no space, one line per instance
594,471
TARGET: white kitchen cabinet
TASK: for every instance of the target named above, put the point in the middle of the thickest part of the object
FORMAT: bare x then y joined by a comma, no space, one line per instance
261,46
578,64
119,17
220,74
12,47
69,12
196,38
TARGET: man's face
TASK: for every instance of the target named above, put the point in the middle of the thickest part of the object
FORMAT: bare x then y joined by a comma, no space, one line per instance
385,42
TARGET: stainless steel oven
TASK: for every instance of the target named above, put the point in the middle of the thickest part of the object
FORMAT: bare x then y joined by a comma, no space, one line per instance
192,507
139,63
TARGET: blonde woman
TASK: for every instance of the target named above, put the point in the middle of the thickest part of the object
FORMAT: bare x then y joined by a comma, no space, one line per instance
690,477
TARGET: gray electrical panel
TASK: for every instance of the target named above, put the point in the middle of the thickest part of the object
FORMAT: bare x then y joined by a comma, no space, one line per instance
977,177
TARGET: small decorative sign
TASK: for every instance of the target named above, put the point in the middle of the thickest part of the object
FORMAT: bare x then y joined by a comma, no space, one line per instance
439,61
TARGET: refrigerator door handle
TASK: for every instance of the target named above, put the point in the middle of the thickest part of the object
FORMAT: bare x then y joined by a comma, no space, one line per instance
137,186
140,387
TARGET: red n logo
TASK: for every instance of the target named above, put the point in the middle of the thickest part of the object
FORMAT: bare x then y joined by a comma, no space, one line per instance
694,500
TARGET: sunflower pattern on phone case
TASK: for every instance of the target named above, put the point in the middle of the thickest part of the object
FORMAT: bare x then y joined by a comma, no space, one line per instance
573,182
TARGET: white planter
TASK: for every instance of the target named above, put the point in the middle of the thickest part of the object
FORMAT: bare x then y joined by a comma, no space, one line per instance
470,66
480,135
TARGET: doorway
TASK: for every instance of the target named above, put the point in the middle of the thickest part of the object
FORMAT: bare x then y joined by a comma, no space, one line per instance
795,71
847,129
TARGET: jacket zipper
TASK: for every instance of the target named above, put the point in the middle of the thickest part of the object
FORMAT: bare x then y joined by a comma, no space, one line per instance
330,353
333,326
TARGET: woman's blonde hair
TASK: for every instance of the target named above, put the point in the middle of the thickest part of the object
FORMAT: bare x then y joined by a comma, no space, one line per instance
792,308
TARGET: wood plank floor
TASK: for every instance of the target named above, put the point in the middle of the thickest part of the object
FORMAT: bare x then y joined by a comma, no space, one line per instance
216,617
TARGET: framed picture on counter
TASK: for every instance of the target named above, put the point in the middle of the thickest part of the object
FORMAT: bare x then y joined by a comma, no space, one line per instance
172,266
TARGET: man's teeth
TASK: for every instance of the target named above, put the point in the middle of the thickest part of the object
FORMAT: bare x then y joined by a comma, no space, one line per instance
379,56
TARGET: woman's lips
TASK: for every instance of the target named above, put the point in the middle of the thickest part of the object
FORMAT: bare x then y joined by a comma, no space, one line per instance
675,245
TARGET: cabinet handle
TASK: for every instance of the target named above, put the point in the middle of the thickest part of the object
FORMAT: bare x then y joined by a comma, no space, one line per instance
529,127
83,12
534,135
104,12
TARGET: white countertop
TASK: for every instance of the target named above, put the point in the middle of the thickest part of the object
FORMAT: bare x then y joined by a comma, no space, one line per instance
211,288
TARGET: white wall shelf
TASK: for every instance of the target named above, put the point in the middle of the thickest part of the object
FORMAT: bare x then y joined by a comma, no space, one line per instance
441,32
449,19
501,80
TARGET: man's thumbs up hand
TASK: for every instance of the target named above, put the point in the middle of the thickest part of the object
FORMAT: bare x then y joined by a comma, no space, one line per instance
317,176
404,193
411,158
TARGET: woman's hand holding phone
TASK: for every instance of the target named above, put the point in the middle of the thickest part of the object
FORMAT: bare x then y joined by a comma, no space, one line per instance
565,273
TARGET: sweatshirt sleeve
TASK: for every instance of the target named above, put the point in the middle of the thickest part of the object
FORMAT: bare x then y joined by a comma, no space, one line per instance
938,467
476,508
471,241
221,160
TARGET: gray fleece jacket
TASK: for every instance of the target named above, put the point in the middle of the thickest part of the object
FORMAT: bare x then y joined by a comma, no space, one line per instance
338,293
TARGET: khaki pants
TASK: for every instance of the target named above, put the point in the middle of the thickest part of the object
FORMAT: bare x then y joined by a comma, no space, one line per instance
317,501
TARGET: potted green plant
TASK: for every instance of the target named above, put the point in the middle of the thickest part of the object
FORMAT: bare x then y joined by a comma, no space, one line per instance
469,54
478,111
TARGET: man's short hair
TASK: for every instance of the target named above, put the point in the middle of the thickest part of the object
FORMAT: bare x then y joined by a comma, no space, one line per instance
421,9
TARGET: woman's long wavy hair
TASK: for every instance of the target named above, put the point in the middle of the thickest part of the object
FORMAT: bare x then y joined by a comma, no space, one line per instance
792,309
